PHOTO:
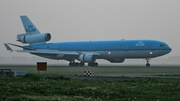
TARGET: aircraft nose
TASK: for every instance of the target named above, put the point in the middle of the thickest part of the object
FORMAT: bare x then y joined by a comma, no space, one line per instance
169,49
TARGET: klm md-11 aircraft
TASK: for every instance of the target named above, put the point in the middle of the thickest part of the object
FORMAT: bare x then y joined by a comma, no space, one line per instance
115,51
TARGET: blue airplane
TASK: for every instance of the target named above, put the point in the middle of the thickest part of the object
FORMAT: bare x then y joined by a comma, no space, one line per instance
115,51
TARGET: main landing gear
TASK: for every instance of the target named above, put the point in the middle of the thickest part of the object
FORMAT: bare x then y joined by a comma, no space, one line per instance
147,64
76,64
93,64
82,64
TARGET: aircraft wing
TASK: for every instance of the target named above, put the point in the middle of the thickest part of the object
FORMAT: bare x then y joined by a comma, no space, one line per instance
57,52
49,52
54,54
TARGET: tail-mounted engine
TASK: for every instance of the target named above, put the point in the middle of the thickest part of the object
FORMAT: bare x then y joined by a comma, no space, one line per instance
34,38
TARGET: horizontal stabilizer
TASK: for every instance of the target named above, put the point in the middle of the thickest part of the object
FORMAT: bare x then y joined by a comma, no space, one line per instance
21,46
7,47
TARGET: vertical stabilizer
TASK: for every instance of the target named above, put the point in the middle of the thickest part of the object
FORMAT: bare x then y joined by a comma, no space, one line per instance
29,27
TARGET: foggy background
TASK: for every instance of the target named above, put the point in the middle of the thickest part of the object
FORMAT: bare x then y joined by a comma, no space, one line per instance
76,20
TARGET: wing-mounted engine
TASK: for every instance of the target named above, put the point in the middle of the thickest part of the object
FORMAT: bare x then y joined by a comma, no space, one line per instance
87,58
34,38
117,60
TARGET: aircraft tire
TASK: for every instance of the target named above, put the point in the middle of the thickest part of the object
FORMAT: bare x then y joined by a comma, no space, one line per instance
147,65
96,64
70,64
93,64
74,64
81,64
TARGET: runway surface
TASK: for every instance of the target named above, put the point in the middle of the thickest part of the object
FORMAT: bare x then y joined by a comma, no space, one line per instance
156,71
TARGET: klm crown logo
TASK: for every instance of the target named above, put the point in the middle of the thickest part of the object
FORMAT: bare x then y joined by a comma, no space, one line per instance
31,28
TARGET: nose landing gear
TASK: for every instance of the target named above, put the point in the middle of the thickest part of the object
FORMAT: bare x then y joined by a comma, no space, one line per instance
147,64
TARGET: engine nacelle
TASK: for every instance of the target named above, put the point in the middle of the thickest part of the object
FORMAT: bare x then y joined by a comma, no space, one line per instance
117,60
87,58
34,38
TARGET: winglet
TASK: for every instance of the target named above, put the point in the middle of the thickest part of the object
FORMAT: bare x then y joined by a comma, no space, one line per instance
7,47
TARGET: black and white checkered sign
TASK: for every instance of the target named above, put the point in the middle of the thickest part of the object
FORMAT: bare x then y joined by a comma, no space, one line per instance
88,73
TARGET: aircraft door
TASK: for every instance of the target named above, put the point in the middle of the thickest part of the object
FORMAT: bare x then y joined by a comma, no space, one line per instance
152,47
125,47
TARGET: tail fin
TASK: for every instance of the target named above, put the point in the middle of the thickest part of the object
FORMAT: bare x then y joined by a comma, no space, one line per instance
29,27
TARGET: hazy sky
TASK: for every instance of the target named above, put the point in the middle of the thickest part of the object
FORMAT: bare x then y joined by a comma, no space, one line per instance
75,20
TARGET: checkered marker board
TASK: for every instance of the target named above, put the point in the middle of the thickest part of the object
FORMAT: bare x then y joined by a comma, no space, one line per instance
88,73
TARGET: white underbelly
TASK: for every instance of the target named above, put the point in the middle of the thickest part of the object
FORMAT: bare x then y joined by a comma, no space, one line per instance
130,54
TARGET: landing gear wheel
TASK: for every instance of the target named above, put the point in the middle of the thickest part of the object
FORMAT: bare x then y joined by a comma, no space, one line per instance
147,65
96,64
93,64
81,64
74,64
70,64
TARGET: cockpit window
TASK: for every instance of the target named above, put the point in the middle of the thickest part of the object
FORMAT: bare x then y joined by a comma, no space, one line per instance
162,45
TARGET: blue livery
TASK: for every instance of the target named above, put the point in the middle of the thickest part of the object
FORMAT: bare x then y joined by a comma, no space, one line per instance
114,51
